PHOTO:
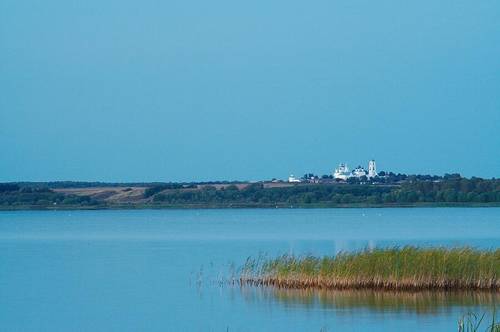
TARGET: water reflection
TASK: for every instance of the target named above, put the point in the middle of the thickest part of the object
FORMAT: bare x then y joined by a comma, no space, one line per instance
422,303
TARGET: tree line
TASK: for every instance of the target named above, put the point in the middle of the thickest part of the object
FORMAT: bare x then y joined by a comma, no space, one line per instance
450,190
12,194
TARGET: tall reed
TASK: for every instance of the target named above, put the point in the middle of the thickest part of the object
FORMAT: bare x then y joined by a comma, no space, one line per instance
406,268
474,323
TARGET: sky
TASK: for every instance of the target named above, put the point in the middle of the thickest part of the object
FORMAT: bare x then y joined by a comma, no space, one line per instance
192,90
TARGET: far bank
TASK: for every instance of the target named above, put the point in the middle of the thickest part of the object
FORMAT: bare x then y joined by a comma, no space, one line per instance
453,192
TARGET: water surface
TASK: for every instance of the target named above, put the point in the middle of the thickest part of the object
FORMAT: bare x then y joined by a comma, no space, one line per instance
160,270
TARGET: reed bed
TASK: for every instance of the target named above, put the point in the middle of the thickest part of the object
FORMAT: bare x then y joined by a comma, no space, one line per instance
406,268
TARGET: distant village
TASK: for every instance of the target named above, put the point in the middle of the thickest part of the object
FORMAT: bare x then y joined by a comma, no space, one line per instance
341,174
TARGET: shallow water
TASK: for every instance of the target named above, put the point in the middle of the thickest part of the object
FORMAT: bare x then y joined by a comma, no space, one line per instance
162,270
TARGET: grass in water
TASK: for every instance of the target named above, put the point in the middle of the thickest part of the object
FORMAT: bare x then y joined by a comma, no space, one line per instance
407,268
474,323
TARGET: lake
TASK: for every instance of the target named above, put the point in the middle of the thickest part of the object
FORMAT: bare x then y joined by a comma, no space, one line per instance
167,270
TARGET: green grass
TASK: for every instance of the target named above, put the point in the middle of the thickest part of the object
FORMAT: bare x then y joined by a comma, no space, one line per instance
474,323
407,268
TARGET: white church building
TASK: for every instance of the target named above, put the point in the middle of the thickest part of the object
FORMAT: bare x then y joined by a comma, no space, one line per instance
342,172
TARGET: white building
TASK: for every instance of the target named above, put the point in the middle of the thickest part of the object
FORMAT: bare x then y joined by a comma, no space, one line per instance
293,179
342,172
359,172
372,169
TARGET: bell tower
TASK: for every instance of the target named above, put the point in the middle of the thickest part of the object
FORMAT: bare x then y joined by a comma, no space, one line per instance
372,169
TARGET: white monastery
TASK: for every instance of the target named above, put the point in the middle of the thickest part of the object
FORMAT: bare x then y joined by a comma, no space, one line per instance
343,173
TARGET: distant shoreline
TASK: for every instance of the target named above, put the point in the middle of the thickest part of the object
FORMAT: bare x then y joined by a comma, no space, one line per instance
423,192
244,206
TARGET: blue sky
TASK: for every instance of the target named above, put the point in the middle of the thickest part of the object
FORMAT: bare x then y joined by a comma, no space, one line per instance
199,90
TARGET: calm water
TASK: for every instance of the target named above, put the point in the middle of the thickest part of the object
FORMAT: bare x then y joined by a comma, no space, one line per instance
160,270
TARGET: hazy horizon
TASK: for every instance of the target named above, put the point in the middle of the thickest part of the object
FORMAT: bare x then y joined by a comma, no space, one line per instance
124,91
